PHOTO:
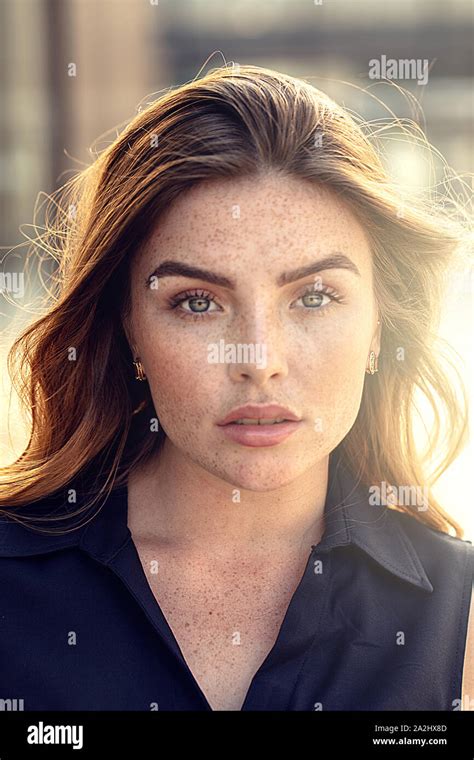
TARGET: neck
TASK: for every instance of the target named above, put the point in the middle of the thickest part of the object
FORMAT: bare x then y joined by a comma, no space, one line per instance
174,501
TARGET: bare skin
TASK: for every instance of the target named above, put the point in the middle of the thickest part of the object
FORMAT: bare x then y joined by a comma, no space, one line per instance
225,615
232,525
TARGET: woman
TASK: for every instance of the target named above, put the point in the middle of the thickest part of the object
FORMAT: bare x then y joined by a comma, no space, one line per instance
233,269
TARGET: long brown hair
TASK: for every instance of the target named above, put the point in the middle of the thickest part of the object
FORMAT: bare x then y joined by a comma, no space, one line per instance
72,367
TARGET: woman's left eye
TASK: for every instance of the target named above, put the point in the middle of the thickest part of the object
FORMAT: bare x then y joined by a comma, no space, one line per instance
313,296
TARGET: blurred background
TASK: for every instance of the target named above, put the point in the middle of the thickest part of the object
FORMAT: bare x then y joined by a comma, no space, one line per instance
73,69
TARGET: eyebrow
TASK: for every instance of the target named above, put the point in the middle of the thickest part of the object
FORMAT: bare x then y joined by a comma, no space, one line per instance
172,268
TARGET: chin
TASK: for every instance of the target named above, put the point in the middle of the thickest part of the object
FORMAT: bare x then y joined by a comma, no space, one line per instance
256,477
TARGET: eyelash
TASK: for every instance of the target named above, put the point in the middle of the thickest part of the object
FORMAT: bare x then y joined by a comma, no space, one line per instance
176,301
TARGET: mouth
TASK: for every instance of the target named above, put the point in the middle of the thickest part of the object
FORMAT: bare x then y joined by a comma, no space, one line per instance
259,432
259,421
259,414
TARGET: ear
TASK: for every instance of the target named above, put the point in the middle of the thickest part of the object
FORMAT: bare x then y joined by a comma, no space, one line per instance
128,332
375,343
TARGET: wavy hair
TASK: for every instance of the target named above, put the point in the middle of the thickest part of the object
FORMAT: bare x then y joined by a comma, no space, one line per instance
72,367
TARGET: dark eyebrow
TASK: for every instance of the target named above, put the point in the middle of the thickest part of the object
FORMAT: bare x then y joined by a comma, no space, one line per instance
334,261
172,268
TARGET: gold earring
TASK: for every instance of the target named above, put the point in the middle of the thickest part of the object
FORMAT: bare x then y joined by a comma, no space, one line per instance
139,371
372,364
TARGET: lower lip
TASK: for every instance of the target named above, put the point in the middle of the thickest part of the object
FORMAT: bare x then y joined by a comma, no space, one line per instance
260,435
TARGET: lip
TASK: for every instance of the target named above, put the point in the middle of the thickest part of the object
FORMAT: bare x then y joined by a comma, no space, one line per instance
260,411
260,435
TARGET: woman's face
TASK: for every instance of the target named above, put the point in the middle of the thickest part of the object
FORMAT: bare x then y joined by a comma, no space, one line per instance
304,340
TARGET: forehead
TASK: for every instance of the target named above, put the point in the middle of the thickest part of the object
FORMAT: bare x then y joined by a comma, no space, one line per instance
273,218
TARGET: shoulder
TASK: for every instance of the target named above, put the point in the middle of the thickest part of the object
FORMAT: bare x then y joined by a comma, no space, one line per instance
443,556
447,560
24,535
449,563
468,672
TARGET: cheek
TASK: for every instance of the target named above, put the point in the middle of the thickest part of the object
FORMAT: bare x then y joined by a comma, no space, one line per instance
333,373
336,354
182,382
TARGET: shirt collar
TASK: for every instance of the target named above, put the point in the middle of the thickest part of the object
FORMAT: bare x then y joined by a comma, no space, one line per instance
350,520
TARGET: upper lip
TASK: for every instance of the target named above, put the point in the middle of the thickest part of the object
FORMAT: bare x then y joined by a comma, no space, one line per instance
259,411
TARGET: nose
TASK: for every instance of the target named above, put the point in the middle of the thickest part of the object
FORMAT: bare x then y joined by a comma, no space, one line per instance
260,352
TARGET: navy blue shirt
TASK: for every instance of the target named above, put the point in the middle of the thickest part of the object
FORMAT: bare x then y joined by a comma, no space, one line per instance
377,622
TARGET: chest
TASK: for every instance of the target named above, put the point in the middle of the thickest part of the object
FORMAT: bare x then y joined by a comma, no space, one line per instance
225,617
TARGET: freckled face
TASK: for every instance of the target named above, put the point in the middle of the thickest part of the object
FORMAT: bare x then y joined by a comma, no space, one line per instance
315,332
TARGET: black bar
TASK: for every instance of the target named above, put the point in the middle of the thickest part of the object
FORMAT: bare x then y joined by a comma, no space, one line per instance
445,734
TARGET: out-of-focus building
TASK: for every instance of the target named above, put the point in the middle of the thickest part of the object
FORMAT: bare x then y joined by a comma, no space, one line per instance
124,50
